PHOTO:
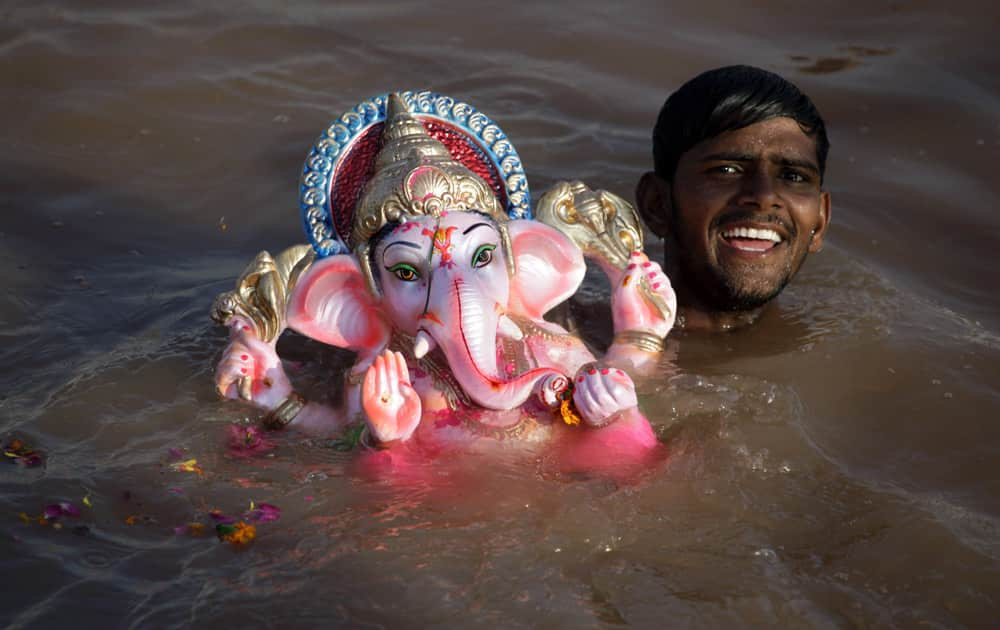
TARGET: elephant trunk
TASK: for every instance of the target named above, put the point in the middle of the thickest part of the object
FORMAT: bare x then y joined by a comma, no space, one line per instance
469,343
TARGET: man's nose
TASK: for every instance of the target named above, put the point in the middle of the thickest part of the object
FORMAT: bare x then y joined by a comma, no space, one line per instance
758,190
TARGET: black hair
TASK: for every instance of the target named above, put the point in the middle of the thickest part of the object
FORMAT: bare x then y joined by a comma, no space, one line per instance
726,99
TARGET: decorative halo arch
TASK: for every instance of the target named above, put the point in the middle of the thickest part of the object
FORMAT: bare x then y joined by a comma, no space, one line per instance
342,159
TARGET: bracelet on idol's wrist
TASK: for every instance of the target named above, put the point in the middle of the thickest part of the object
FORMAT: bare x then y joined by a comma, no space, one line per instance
284,413
645,341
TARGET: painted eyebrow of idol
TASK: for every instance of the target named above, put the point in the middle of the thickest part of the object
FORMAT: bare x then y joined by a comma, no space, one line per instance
747,157
474,226
403,243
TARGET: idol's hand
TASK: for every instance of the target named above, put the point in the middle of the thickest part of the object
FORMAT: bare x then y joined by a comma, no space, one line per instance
250,369
642,300
601,392
392,406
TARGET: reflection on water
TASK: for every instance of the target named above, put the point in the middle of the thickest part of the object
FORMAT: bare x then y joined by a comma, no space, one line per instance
832,466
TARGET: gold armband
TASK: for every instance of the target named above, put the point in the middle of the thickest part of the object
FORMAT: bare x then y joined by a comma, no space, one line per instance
284,413
645,341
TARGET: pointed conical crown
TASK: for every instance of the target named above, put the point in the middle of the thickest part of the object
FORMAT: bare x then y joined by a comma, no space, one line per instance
416,175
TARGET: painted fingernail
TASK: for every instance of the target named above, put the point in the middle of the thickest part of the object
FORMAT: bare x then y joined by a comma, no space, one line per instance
592,371
651,275
657,285
244,357
605,371
631,266
246,328
243,370
647,264
620,373
579,380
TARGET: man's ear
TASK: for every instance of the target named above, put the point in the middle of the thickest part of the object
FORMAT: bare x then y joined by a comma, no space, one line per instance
822,222
652,195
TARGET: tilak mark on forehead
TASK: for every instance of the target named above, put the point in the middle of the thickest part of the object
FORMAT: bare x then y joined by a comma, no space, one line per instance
442,242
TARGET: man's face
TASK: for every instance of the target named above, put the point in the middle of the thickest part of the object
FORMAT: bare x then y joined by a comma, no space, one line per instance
744,210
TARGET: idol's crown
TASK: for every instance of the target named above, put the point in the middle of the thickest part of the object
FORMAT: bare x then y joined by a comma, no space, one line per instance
416,175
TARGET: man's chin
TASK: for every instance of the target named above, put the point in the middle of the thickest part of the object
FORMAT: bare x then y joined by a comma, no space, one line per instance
737,296
748,302
734,286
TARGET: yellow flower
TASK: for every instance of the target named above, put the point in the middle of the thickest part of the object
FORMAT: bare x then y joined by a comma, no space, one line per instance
190,465
567,411
241,533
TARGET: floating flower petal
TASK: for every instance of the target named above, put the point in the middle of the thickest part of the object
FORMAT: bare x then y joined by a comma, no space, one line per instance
22,454
55,511
237,533
189,465
247,441
263,513
221,518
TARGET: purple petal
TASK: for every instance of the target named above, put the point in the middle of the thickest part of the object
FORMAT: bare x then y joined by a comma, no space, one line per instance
246,441
222,519
263,513
28,461
68,509
52,511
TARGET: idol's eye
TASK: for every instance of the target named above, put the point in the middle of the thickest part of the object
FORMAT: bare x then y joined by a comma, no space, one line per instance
483,255
405,272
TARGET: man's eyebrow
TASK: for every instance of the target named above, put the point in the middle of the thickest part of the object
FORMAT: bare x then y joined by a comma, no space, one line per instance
403,243
808,165
474,226
728,156
735,156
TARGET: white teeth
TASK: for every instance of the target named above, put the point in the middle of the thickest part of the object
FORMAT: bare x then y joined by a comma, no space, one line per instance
745,232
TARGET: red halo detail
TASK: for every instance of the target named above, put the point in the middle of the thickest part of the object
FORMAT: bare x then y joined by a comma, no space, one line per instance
356,165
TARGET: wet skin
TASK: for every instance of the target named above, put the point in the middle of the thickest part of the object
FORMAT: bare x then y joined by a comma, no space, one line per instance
744,210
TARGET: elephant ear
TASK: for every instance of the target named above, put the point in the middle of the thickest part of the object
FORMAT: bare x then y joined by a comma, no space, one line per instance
550,267
332,304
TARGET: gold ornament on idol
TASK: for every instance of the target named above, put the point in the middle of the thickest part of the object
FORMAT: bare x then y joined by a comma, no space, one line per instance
415,176
262,290
603,225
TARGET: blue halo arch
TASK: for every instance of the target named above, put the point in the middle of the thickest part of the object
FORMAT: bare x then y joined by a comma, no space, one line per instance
321,163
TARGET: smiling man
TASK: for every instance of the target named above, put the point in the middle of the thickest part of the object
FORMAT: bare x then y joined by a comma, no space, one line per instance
739,155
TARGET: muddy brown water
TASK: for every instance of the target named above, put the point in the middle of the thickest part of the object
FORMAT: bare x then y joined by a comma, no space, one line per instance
837,465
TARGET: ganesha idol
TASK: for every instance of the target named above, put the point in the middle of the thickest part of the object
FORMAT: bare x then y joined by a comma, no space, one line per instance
426,262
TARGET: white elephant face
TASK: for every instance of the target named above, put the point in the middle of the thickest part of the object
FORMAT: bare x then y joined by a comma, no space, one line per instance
446,271
445,282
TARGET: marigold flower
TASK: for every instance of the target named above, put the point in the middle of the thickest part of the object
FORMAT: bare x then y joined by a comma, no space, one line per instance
237,533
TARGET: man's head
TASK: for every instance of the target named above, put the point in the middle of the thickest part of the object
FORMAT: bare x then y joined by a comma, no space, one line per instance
739,158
